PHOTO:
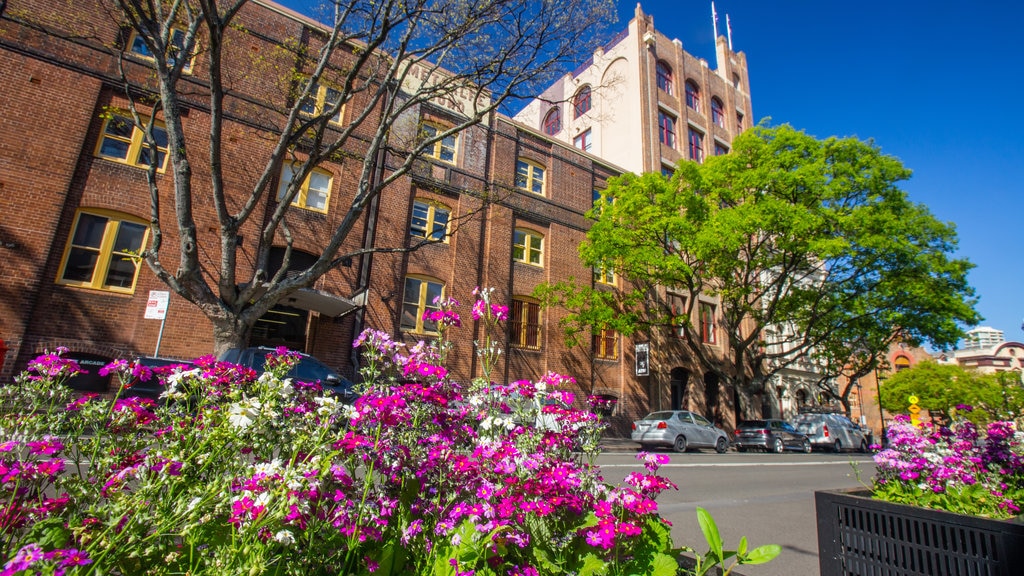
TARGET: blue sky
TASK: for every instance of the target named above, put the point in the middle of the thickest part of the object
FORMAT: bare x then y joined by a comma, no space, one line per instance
938,85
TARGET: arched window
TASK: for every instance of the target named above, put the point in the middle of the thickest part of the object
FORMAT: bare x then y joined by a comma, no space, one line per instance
692,95
901,363
717,113
553,122
664,77
443,149
581,102
429,220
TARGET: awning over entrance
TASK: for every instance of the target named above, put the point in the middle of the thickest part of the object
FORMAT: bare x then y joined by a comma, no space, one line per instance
318,301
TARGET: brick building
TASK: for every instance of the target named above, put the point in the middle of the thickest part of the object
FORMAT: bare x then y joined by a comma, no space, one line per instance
76,202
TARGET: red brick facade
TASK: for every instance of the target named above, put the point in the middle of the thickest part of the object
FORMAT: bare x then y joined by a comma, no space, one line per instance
56,93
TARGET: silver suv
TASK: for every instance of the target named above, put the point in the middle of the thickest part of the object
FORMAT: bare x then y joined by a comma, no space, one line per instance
832,432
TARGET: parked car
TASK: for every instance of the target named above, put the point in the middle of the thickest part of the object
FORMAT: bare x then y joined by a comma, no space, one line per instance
309,369
679,430
774,435
832,432
154,387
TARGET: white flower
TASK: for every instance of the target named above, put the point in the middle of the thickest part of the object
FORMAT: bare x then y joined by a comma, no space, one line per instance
287,389
328,405
284,537
350,412
262,499
243,414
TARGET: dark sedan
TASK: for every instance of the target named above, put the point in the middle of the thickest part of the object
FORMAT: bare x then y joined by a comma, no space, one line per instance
774,435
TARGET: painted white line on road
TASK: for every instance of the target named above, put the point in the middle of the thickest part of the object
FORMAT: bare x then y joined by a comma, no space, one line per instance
733,464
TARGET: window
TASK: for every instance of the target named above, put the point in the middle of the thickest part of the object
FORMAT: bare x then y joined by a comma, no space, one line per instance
739,122
696,146
524,325
664,77
667,129
677,309
717,114
528,247
692,95
901,363
137,46
322,99
102,251
581,103
583,140
429,220
606,344
530,176
122,141
421,295
667,171
314,193
720,149
736,81
443,149
707,323
553,122
604,275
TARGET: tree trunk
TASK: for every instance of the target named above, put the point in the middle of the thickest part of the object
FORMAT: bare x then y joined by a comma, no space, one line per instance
230,332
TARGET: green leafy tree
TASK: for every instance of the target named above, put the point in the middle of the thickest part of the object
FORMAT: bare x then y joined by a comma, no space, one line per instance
808,240
377,62
941,388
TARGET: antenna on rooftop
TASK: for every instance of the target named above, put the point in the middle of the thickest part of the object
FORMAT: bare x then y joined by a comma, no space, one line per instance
728,31
714,20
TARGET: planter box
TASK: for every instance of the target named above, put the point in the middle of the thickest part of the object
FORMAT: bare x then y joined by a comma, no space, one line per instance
859,536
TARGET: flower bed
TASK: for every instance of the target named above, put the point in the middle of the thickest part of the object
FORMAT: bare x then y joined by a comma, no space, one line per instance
239,474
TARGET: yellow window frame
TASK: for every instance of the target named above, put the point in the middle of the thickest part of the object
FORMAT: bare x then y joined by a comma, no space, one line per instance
430,219
136,142
301,199
525,244
420,301
530,176
105,251
605,276
448,144
187,68
320,102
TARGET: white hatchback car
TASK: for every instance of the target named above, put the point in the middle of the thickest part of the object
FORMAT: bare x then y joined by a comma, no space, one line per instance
833,432
680,430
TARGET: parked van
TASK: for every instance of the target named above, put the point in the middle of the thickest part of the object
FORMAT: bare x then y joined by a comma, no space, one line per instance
833,432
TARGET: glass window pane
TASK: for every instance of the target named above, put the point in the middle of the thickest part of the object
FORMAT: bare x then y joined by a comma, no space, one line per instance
89,231
119,126
114,148
409,316
286,178
121,272
440,224
418,225
160,136
433,292
80,265
139,47
129,237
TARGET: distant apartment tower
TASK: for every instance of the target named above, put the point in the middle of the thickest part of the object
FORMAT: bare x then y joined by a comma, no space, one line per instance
644,103
982,337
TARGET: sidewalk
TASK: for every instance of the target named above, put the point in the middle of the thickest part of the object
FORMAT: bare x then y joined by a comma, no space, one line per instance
619,445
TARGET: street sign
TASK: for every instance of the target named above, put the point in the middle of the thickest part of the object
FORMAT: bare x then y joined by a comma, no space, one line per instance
642,353
156,306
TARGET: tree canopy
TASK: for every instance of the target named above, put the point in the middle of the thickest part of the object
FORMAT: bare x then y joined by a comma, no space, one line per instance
808,247
950,389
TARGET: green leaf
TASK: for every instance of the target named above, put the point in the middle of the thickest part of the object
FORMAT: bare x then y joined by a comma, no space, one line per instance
742,549
593,566
761,554
663,565
710,530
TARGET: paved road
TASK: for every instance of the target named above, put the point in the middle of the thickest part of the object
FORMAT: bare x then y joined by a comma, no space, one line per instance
769,498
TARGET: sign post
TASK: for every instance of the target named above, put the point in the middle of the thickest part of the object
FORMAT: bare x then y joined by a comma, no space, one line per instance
156,309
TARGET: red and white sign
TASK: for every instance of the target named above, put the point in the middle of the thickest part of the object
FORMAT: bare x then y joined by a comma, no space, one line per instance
156,306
